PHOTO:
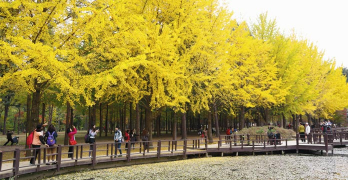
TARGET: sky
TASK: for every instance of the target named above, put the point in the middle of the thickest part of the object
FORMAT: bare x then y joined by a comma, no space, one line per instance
322,22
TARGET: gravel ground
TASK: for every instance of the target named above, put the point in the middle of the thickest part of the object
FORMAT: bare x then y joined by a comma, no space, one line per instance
241,167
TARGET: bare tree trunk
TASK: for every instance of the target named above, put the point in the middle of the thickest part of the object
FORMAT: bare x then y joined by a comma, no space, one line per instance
284,121
68,113
241,117
216,120
50,113
183,126
100,119
43,112
130,116
19,118
174,126
158,124
137,123
210,134
7,106
71,117
148,125
106,120
35,108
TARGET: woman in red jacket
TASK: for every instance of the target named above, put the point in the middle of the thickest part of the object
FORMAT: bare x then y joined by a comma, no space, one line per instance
72,141
126,138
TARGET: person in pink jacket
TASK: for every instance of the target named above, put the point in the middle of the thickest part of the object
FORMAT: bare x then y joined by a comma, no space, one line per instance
71,134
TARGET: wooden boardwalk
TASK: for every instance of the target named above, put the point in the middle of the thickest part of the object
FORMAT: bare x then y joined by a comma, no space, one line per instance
104,153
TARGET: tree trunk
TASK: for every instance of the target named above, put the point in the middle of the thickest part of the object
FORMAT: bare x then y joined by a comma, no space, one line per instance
68,113
284,121
216,120
267,116
174,126
130,116
137,122
43,113
148,124
7,106
90,121
50,113
166,120
19,118
241,118
100,119
210,134
71,117
183,126
35,109
106,120
158,124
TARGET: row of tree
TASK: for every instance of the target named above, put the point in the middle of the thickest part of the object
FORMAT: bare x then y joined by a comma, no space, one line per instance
185,55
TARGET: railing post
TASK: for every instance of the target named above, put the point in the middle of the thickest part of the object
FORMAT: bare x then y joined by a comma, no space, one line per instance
158,149
16,156
326,141
235,139
206,143
264,144
81,153
45,154
248,138
77,152
168,146
319,138
219,143
341,134
297,142
94,154
253,146
107,149
59,157
129,151
0,160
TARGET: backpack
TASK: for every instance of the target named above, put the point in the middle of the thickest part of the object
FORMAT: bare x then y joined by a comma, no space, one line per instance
87,138
30,139
50,140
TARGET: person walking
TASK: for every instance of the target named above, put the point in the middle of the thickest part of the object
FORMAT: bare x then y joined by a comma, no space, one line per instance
145,138
72,141
118,141
301,130
126,138
51,139
307,131
38,140
9,137
133,137
92,134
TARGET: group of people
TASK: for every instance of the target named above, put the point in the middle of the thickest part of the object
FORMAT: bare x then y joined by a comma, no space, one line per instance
49,139
304,130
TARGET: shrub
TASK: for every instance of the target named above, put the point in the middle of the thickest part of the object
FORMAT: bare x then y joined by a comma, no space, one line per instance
262,130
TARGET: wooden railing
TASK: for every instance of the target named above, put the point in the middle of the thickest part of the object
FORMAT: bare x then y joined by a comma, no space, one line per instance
100,152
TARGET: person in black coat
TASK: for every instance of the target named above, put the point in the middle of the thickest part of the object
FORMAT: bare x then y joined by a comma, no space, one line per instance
9,138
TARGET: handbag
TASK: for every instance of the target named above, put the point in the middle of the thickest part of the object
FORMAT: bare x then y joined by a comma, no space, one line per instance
72,142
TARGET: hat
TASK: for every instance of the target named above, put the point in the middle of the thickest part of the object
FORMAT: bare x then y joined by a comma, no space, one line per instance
38,126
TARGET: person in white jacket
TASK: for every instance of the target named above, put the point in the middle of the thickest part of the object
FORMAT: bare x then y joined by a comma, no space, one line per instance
308,130
118,140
